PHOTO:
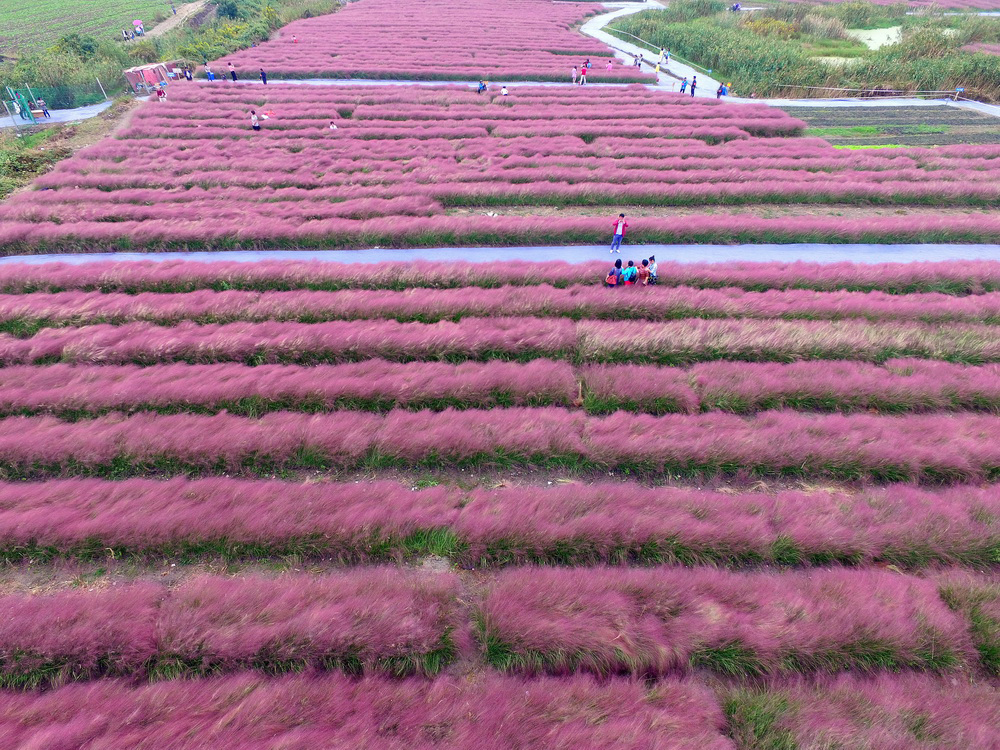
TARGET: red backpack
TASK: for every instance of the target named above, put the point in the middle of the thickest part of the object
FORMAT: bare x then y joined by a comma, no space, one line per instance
612,279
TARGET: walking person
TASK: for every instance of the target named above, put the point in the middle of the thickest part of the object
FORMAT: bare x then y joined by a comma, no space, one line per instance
254,122
694,84
720,91
232,71
614,277
663,56
684,84
263,76
621,226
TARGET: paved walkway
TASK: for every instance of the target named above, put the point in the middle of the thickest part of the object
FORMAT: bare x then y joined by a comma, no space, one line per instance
816,253
675,70
707,85
58,115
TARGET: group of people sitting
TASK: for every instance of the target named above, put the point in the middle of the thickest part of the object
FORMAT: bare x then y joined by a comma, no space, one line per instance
643,274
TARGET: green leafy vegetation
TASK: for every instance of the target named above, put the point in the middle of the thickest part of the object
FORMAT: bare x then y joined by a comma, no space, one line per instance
783,51
64,70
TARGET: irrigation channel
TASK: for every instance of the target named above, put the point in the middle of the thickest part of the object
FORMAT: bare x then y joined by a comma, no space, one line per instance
815,253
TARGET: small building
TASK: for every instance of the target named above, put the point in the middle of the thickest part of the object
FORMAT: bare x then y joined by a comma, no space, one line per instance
145,78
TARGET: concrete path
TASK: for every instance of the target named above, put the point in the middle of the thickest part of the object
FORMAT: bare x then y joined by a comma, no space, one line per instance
707,85
815,253
675,70
58,115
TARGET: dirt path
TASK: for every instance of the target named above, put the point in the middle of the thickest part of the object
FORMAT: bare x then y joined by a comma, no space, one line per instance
183,14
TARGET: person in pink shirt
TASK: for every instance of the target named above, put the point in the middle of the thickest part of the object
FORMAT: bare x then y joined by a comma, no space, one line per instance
573,73
609,66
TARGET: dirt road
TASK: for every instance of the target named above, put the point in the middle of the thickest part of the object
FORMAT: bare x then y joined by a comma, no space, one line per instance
184,12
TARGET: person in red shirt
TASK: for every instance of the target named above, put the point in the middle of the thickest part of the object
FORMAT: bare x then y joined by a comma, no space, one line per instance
620,228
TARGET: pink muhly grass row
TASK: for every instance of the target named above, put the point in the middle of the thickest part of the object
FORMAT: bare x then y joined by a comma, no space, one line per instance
372,384
908,711
430,305
898,385
577,524
661,621
306,712
341,341
678,342
935,448
946,277
986,49
375,620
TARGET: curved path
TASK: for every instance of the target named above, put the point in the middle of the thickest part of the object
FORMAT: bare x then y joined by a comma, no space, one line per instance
707,85
816,253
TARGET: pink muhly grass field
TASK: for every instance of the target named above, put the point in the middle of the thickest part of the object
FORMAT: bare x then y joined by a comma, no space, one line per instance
436,40
933,448
251,712
364,620
677,342
575,524
654,622
419,166
947,277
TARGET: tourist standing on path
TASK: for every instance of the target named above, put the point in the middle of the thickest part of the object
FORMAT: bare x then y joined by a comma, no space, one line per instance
610,66
694,84
583,76
684,85
263,76
232,71
621,226
574,75
719,91
254,122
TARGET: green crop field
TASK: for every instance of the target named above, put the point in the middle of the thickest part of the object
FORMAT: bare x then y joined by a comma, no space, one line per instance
41,23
